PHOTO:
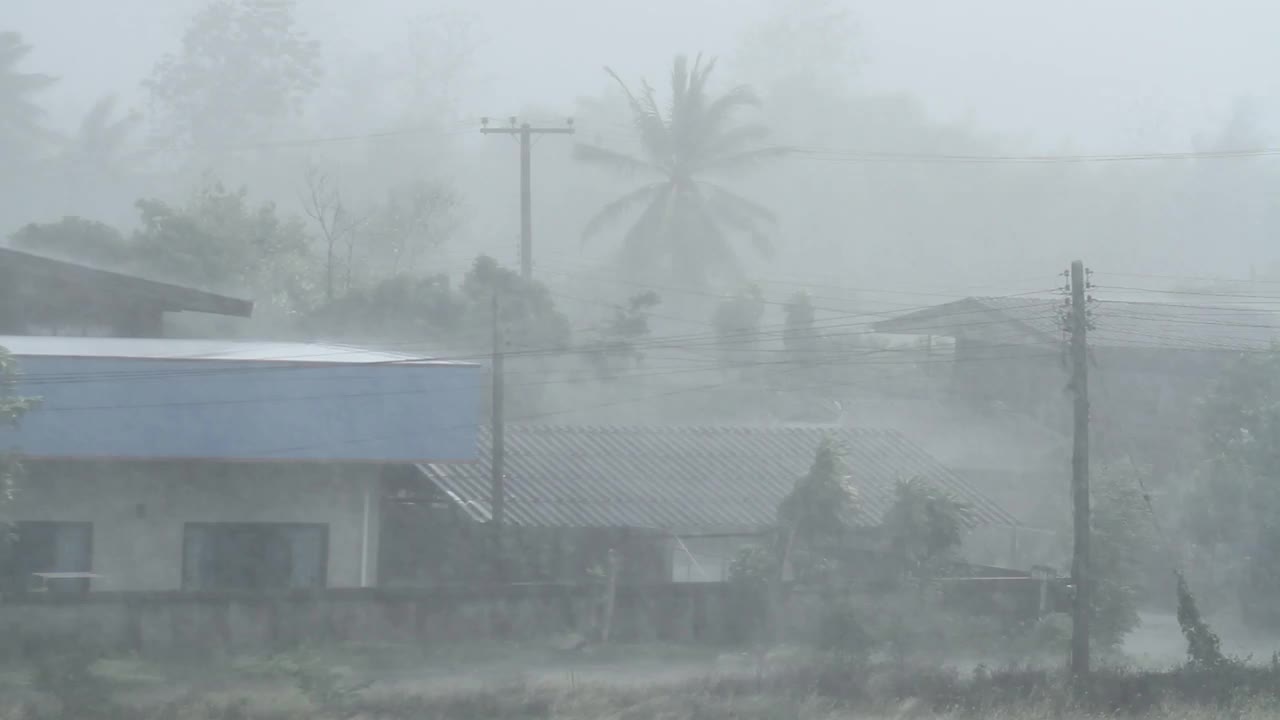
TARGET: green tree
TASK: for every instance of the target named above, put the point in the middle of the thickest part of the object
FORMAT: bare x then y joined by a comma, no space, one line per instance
737,325
21,118
1122,531
244,65
799,336
220,239
684,219
526,310
923,528
12,408
616,345
103,148
1232,506
77,239
814,518
402,308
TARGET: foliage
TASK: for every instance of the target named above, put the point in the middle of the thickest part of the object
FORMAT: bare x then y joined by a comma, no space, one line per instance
21,119
617,342
241,59
526,310
1234,501
220,240
813,518
101,147
1203,645
414,218
402,307
62,668
79,239
923,528
684,220
12,407
1122,531
798,334
323,686
737,325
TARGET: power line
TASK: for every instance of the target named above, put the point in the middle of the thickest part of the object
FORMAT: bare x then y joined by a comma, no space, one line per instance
868,156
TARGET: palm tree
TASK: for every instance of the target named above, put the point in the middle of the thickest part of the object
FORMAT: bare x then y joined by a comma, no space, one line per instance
686,219
102,143
20,116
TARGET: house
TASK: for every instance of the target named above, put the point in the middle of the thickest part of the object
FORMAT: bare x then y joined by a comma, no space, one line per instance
677,503
164,464
1149,363
42,295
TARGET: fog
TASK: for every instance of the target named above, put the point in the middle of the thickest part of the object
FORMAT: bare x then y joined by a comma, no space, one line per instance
999,76
734,195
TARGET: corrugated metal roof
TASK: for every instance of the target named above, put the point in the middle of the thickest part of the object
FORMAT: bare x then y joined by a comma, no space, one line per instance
687,478
1117,323
195,349
40,269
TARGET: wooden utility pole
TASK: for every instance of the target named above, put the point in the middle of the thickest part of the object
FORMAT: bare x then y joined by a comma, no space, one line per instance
526,133
1081,602
497,457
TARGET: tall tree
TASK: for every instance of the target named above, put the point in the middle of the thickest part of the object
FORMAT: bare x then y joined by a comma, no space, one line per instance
20,117
77,239
244,65
102,145
221,239
684,219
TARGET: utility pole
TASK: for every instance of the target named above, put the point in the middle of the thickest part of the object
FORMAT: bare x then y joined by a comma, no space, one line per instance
497,458
526,133
1081,604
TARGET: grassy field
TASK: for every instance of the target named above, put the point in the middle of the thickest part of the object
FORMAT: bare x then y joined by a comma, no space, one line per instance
617,683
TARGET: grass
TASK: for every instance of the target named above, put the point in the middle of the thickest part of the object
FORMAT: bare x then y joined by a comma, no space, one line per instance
803,688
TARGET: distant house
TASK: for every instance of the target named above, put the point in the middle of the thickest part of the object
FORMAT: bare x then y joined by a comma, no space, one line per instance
678,503
160,464
1150,363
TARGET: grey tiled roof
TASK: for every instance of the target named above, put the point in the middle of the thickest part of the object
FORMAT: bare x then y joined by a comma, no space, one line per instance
687,479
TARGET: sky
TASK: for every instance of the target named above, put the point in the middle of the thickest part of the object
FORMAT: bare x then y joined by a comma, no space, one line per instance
1140,75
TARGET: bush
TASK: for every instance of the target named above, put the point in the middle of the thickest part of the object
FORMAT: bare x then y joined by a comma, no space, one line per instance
62,669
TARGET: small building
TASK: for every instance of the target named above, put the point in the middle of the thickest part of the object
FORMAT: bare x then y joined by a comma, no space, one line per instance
42,295
162,464
677,503
1149,362
180,464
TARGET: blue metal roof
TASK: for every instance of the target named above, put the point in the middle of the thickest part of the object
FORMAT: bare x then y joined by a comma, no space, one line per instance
112,398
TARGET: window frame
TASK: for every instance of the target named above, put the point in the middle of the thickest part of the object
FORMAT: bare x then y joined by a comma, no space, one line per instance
323,581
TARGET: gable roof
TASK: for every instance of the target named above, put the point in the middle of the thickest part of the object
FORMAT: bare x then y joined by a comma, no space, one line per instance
43,271
1116,323
687,478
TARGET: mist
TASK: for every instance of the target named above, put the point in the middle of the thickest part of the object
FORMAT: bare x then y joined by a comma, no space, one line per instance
764,216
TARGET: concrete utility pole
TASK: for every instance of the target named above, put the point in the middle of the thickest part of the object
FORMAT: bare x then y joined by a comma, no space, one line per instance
526,133
1081,582
497,459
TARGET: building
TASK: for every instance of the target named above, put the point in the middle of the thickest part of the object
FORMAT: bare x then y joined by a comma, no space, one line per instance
678,503
46,296
161,464
1149,363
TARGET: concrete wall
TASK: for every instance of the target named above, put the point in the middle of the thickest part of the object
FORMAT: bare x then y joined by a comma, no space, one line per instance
138,511
210,624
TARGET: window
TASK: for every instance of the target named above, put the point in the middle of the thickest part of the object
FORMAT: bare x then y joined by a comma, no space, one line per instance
38,548
254,556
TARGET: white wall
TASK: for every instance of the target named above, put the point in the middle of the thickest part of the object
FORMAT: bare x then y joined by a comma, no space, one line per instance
138,511
706,559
